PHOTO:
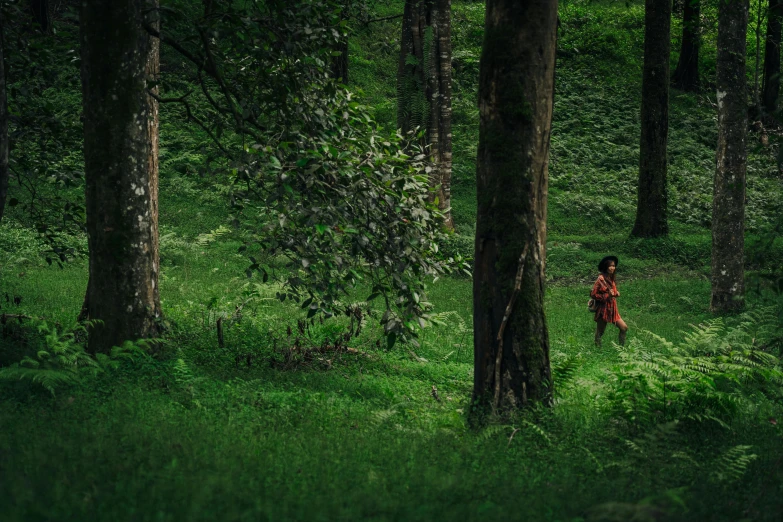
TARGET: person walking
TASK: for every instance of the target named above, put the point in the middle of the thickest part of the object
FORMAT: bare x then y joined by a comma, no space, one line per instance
605,294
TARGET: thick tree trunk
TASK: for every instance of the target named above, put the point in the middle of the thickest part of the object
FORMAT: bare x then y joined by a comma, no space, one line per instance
651,208
771,83
4,172
119,59
728,207
516,86
686,75
424,88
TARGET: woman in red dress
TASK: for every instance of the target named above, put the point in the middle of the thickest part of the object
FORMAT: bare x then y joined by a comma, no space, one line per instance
605,294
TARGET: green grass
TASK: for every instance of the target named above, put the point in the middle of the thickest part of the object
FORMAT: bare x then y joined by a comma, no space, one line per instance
233,433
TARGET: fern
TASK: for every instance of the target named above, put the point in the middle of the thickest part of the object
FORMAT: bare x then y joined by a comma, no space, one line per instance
732,464
59,360
707,377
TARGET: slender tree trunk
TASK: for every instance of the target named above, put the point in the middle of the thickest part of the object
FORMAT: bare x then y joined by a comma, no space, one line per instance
728,207
41,14
771,83
340,62
757,32
119,59
516,86
424,88
686,75
4,172
651,209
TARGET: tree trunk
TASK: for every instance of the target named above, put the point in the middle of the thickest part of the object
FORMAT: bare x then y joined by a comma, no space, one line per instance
686,75
119,58
4,172
516,87
771,83
424,88
728,207
41,14
340,61
651,208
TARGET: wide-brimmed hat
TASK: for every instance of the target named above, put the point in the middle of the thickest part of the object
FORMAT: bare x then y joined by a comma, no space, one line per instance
605,261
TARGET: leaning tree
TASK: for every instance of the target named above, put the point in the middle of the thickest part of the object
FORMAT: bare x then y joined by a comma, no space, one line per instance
511,344
424,88
120,64
728,206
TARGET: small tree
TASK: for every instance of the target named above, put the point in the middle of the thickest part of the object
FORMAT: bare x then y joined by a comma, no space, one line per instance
728,207
516,86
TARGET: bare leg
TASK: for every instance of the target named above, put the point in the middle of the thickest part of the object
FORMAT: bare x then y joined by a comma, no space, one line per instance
600,327
623,330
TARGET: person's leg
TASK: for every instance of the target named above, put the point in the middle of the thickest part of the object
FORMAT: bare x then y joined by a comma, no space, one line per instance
623,330
600,327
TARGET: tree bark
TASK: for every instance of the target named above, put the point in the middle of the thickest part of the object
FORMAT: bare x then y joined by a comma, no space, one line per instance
516,89
686,75
4,171
651,208
728,207
771,82
119,60
424,89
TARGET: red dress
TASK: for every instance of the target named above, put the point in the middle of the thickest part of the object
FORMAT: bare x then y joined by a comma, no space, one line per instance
603,292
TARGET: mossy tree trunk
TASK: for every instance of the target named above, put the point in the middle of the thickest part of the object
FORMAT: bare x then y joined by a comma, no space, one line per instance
651,208
4,171
119,60
728,207
771,83
424,88
516,86
686,75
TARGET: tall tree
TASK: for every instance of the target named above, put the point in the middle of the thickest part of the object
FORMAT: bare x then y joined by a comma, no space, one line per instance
4,172
771,83
516,86
424,87
686,75
728,206
120,62
651,208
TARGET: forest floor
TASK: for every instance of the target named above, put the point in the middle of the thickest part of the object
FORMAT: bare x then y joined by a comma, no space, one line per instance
254,430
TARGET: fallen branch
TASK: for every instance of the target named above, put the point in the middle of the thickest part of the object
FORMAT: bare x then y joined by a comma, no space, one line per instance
19,317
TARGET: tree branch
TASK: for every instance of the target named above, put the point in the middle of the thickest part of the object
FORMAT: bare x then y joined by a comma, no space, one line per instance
383,19
509,308
192,117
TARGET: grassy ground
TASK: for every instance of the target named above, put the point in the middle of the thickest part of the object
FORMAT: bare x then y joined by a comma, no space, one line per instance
242,433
